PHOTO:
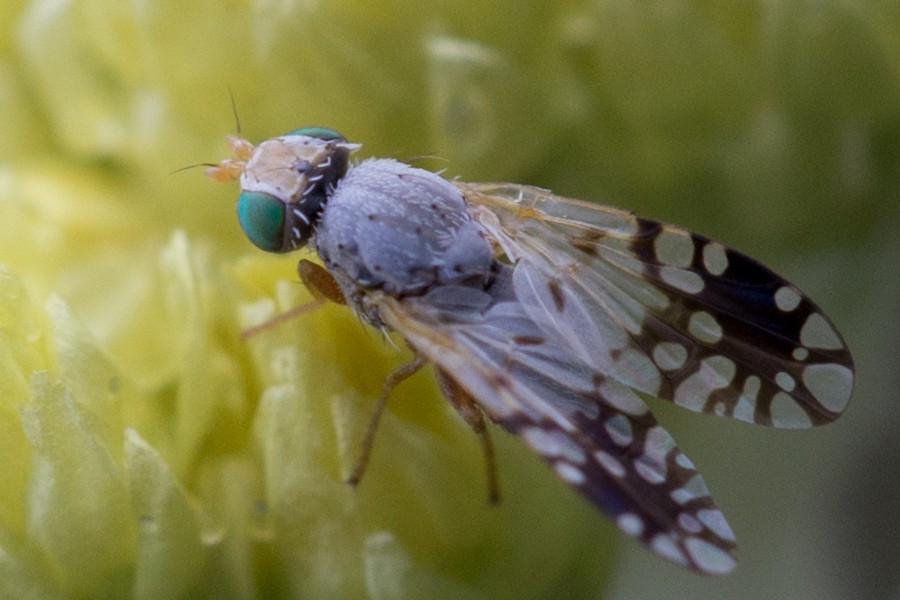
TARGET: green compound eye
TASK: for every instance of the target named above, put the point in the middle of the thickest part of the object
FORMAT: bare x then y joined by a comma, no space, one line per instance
262,219
322,133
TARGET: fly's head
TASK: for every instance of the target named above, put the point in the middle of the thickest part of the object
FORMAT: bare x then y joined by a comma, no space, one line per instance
285,182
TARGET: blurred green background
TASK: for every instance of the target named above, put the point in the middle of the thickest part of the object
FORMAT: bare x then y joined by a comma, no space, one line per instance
772,126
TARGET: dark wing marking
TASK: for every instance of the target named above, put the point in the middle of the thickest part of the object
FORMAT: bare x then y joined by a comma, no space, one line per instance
666,311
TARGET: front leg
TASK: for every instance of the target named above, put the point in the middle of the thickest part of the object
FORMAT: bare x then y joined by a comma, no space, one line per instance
399,374
320,284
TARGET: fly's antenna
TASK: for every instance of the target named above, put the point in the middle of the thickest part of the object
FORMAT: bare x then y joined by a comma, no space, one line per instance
234,112
193,166
229,168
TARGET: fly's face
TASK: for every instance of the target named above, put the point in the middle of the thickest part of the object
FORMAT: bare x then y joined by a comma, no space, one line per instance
285,182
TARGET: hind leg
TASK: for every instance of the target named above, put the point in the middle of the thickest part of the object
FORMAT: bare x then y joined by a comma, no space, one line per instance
472,414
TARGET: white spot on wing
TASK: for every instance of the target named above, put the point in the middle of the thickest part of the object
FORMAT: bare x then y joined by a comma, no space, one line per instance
609,464
682,279
569,473
709,558
785,381
651,473
630,523
622,398
787,299
669,355
745,408
652,464
715,372
714,258
818,333
704,327
689,523
554,444
693,489
787,413
658,443
636,368
665,546
723,369
683,461
619,430
715,521
624,261
830,383
674,247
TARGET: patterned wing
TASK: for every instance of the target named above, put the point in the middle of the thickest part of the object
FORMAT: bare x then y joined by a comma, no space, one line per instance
597,434
666,311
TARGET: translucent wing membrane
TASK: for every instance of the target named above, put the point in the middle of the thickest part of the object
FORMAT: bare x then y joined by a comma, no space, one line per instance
666,311
597,434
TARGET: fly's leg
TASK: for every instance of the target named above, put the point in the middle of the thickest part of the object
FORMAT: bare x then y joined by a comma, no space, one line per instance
280,318
321,285
472,414
395,377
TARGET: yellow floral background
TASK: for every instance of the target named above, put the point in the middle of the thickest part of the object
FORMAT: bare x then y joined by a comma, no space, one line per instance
147,451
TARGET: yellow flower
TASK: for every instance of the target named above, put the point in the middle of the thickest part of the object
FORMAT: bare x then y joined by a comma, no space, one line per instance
148,450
